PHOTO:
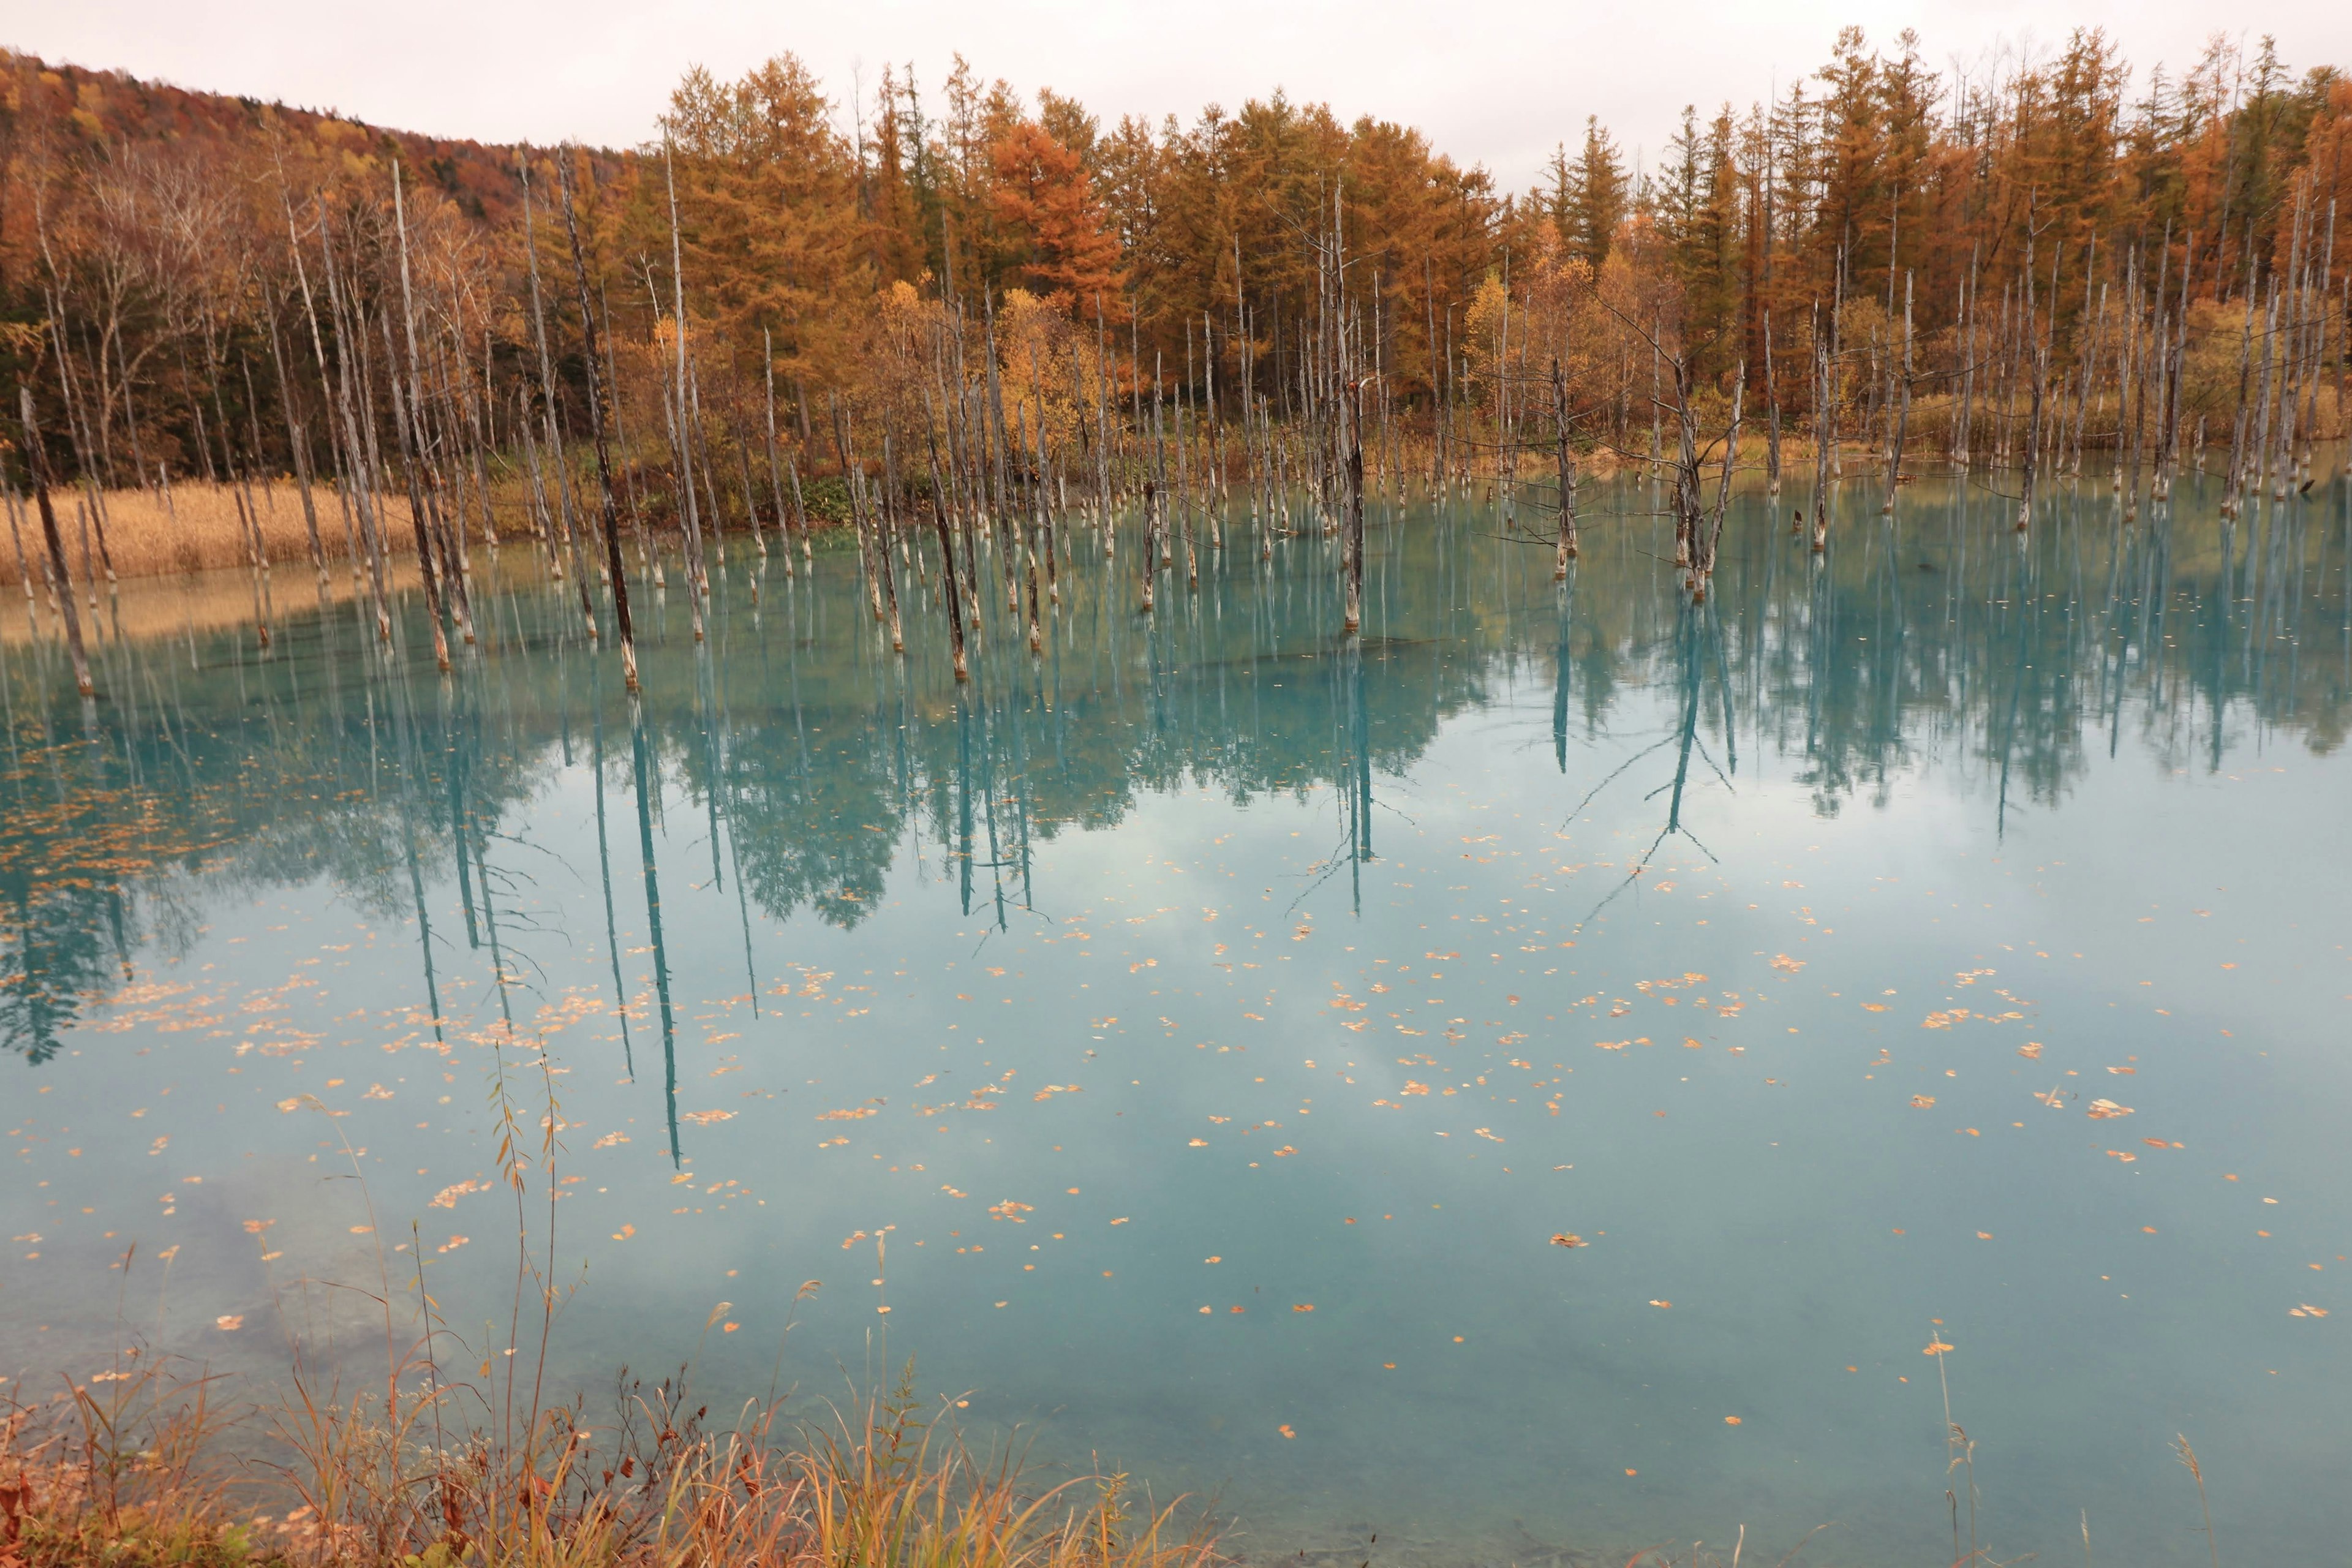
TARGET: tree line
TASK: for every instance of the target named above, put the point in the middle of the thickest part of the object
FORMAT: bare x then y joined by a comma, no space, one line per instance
956,302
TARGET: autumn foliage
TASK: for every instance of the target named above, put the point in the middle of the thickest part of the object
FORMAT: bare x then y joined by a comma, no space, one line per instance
148,277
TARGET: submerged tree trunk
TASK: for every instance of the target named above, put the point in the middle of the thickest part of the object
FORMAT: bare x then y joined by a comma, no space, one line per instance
1566,550
38,461
610,511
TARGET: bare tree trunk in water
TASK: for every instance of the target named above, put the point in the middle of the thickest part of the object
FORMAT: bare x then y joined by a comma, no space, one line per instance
1567,549
609,509
1353,412
1902,410
39,460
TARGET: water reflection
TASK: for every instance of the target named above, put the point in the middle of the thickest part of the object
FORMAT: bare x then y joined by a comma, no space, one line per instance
1102,865
812,755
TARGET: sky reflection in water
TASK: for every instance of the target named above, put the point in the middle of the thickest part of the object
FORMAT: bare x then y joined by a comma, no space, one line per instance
1943,941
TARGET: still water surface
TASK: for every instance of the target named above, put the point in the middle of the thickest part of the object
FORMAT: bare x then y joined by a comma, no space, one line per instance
1217,1023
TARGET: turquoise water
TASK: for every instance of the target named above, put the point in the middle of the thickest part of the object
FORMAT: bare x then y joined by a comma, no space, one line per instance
1211,968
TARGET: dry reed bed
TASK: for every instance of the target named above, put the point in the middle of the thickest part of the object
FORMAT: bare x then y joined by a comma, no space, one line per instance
196,529
139,1471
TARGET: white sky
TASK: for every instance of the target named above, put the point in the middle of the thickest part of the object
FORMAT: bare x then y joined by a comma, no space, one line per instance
1498,90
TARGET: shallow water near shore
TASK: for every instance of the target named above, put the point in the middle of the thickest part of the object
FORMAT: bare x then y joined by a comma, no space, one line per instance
1204,1039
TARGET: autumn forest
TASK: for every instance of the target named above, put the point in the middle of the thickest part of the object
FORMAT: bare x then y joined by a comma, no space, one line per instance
957,291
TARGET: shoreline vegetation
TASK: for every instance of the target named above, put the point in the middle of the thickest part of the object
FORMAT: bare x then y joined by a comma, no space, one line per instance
147,1472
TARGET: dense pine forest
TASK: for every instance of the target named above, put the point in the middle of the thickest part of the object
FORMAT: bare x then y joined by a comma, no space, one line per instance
789,307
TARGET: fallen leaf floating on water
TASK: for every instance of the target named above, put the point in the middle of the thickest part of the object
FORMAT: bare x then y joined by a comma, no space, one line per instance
1285,1431
1662,1306
1569,1238
2031,1050
229,1322
1937,1347
1731,1421
447,1198
2107,1111
2305,1310
1304,1307
1923,1100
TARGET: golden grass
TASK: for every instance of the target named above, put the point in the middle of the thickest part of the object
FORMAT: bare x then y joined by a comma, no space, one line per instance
198,529
137,1475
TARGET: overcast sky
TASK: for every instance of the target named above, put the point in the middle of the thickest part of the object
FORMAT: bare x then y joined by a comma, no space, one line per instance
1499,88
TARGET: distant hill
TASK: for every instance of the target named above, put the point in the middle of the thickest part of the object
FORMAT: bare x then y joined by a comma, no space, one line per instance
112,109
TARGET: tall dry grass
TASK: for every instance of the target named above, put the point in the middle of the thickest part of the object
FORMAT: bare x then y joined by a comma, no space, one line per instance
143,1472
194,528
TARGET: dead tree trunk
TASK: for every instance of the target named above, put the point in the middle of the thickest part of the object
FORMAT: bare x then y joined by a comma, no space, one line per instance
1566,551
38,461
